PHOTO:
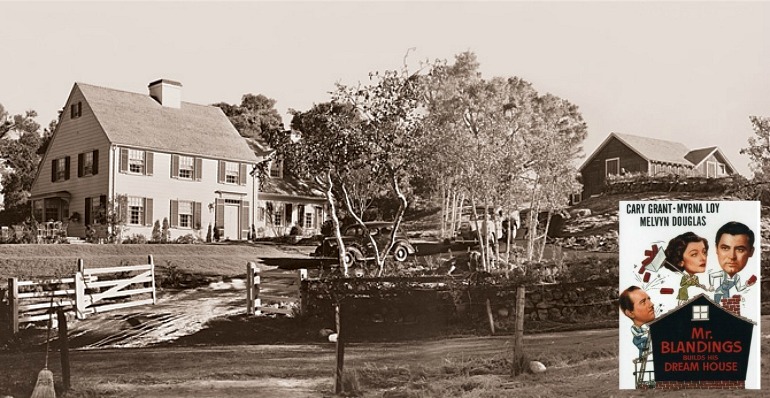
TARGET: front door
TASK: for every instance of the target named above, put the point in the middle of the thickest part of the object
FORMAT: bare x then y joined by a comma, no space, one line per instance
231,222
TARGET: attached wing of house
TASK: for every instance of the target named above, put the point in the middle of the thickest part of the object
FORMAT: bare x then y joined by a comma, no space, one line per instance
131,159
287,205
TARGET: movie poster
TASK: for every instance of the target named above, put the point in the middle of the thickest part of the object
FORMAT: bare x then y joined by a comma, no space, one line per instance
689,304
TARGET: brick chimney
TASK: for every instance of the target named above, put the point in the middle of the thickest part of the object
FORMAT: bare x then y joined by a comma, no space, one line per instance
732,304
167,92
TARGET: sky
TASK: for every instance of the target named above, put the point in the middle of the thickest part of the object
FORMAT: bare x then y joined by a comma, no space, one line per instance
691,72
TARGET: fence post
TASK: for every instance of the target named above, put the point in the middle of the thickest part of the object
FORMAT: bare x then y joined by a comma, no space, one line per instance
518,340
13,304
152,274
301,295
80,291
250,288
257,282
64,347
340,371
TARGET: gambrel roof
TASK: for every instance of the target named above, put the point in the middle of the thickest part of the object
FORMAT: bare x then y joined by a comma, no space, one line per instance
138,120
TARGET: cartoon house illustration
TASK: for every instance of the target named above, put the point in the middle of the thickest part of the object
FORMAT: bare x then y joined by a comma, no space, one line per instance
287,205
701,345
624,153
148,156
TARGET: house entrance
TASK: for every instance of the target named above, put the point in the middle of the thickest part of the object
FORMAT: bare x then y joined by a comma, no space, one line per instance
231,220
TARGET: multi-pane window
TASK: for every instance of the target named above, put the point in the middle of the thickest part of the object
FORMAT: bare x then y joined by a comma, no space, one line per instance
135,210
186,167
88,163
98,215
276,167
232,172
136,161
61,169
700,313
308,220
185,214
37,210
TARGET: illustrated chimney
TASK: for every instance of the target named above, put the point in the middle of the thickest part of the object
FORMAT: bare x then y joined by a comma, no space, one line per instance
167,92
732,304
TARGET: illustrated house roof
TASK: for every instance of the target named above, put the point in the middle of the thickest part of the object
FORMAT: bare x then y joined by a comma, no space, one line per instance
701,296
137,120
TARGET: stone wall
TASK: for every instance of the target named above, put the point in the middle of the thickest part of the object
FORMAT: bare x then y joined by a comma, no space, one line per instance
446,308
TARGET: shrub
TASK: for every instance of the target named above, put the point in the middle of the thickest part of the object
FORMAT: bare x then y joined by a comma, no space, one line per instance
156,235
208,235
138,239
186,239
165,234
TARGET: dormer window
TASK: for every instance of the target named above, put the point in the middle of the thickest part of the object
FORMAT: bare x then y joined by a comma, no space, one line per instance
276,167
76,110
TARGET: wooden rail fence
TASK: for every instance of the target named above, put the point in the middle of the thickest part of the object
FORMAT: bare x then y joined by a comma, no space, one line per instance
274,291
89,291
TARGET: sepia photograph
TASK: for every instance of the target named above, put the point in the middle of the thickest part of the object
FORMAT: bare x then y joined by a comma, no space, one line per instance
384,198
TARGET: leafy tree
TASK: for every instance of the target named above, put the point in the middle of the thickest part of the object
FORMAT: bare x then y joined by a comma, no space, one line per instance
558,131
393,109
255,117
759,155
325,152
19,147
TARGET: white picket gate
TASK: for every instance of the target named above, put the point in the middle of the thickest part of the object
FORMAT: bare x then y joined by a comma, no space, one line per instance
89,283
90,291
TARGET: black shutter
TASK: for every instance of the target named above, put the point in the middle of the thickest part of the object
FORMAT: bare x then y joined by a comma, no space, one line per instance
219,220
245,225
95,166
103,209
67,168
87,218
123,209
148,163
174,166
123,160
147,211
81,157
221,172
242,174
197,215
198,169
54,171
174,219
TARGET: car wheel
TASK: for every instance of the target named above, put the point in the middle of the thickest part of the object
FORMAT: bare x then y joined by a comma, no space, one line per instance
400,253
351,256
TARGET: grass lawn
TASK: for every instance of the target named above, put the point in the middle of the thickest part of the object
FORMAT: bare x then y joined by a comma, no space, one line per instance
227,260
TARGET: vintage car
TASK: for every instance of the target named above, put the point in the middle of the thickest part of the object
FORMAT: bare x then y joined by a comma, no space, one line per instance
359,248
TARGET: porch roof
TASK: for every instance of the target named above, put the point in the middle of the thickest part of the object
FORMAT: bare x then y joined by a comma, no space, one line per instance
54,194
